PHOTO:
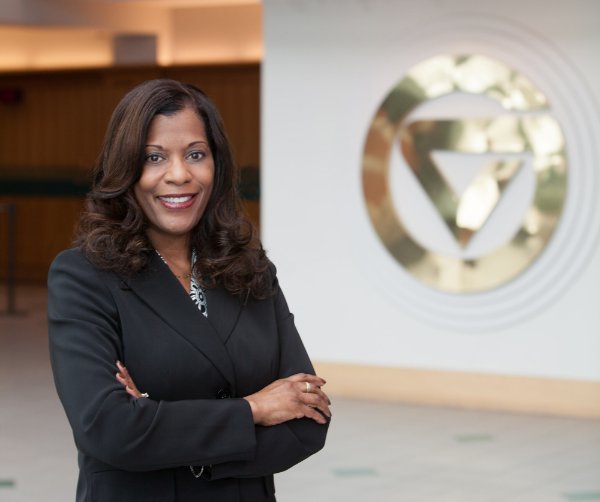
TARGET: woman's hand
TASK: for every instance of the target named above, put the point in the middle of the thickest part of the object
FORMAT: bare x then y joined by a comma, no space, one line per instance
125,379
297,396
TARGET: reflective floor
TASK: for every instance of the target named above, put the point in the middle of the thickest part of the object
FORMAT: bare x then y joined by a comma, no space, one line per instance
375,451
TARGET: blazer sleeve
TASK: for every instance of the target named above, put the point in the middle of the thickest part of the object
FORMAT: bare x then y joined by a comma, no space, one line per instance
134,435
280,447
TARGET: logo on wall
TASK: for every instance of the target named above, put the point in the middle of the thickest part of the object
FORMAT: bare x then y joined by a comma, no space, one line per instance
524,136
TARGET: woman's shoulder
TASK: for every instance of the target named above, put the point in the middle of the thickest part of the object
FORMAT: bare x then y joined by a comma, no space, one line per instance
73,263
75,285
72,257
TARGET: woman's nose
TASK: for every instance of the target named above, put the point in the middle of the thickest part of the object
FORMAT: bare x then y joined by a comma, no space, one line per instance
178,172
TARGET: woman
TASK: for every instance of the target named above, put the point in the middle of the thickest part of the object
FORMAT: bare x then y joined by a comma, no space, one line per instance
169,278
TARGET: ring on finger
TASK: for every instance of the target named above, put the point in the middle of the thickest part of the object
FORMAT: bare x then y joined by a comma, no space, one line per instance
307,387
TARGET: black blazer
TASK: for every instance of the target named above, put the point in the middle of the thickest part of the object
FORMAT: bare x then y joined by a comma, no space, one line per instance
195,369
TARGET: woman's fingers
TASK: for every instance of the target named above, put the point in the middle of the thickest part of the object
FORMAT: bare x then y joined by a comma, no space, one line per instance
313,414
322,394
316,401
307,388
123,371
125,379
312,396
133,392
122,380
307,377
290,398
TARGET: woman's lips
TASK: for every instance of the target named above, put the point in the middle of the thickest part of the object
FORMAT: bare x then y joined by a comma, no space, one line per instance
177,201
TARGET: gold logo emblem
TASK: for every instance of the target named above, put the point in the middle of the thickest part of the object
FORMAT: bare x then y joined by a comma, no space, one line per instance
503,143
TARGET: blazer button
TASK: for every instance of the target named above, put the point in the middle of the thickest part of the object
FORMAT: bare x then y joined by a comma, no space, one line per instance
223,394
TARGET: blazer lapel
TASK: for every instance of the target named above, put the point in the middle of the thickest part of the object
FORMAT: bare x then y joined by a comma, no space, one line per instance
224,311
161,291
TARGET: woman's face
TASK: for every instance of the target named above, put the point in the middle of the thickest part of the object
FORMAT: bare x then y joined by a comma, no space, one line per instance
177,177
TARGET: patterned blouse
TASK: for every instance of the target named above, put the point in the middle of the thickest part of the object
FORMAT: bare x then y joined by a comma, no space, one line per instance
197,294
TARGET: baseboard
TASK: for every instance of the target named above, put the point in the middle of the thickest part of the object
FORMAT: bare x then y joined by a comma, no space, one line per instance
575,398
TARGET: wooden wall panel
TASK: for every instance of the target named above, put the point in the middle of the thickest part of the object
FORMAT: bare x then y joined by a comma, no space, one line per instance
44,227
60,122
63,115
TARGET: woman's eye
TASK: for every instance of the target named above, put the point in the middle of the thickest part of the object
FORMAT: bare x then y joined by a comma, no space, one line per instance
196,155
153,157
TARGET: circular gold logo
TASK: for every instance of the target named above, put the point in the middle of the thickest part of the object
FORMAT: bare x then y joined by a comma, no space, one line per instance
502,143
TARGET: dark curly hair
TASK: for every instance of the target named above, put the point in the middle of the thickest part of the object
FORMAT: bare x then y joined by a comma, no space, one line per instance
112,230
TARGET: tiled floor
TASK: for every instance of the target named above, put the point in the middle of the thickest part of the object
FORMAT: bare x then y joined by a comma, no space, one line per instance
375,452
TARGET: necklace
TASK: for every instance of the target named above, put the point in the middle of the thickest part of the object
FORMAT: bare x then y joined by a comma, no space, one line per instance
187,275
197,294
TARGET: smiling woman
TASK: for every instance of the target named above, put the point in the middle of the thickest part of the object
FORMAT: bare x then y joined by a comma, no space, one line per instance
164,140
169,290
175,185
177,179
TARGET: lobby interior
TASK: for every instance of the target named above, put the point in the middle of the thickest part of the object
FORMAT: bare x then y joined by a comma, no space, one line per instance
436,425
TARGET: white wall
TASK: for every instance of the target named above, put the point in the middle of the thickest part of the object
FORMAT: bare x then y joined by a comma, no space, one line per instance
328,64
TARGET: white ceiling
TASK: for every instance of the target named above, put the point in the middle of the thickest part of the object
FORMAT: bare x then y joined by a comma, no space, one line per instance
50,33
179,3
